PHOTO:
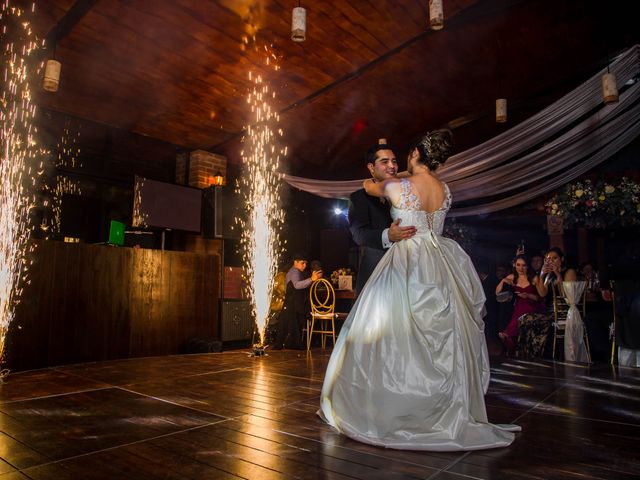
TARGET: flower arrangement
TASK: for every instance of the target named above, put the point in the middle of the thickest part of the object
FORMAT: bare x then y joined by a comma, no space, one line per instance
597,205
459,232
338,272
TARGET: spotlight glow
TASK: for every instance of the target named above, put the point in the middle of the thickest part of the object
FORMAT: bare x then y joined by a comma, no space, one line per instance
18,170
260,191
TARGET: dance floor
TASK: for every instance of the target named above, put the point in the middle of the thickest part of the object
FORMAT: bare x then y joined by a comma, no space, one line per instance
227,415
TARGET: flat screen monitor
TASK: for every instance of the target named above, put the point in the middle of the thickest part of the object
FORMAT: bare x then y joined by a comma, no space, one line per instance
116,233
165,205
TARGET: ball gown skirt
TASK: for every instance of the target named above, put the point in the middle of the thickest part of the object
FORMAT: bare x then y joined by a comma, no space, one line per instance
410,367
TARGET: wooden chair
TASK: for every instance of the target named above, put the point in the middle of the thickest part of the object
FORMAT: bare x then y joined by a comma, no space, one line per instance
560,311
322,318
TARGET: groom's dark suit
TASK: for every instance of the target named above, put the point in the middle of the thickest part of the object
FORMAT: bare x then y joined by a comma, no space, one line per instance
368,217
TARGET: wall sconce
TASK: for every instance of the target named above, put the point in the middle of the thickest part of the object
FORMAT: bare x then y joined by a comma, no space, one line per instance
298,24
501,110
217,180
436,15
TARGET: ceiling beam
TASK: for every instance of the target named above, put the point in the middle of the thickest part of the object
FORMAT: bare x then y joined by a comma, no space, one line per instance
70,19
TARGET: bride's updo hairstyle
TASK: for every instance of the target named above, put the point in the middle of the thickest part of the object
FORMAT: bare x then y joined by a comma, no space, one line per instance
434,148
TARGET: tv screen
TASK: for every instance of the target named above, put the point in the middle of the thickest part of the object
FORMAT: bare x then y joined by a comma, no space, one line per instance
116,233
165,205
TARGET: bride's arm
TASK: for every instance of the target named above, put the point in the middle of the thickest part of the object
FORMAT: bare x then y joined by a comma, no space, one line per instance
373,188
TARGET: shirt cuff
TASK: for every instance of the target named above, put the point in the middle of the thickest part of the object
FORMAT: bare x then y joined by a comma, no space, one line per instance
386,243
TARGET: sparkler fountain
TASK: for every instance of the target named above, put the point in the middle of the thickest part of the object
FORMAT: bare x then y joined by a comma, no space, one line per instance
260,191
18,158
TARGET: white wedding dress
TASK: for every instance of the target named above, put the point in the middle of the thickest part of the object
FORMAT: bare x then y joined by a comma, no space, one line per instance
410,368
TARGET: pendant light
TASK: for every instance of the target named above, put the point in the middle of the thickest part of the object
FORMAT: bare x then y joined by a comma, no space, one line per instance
436,15
609,86
299,24
52,70
501,110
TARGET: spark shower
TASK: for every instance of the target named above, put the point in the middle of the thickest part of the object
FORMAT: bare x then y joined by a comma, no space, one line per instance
260,191
19,156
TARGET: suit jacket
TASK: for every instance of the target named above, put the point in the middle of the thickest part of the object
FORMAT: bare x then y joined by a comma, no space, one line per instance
368,217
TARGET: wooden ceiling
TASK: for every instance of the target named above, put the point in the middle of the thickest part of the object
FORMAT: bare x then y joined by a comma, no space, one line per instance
177,70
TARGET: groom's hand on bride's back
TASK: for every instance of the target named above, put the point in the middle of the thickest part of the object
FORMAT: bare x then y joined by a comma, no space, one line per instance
397,233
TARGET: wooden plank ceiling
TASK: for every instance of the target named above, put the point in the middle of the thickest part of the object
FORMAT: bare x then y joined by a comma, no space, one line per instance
177,70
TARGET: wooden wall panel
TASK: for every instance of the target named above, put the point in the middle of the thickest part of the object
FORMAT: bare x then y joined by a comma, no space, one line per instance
95,302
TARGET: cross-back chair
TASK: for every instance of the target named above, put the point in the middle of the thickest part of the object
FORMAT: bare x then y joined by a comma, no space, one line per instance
322,297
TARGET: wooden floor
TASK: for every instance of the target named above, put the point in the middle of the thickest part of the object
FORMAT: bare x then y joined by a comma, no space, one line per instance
226,415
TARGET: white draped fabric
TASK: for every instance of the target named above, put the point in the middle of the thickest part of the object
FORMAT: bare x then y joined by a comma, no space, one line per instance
575,349
560,143
628,357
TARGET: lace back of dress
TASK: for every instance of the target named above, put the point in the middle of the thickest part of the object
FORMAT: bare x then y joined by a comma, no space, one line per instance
408,199
410,202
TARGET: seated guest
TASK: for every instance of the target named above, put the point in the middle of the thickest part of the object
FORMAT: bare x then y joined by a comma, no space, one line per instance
527,300
533,328
316,266
294,314
536,264
587,273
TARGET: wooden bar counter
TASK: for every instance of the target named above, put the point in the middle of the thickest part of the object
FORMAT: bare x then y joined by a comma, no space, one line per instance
98,302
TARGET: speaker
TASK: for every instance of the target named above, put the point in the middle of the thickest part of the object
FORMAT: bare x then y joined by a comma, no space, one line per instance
211,213
237,322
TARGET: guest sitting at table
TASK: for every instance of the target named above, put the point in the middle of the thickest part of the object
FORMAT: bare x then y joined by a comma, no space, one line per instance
527,300
533,328
587,273
537,261
316,266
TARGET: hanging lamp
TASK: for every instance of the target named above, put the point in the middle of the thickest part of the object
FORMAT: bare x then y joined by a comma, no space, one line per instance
299,24
52,69
501,110
51,75
609,86
436,15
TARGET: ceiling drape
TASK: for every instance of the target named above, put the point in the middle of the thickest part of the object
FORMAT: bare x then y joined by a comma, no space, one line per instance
553,147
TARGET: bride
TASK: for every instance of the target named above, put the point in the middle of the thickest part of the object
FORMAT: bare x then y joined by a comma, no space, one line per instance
411,367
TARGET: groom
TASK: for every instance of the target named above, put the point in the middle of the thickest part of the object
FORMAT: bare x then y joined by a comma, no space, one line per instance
369,218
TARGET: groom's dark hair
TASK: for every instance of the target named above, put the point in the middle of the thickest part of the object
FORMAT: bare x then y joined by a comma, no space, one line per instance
370,156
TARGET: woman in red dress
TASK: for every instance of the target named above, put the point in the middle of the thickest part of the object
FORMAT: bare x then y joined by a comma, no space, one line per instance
528,300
